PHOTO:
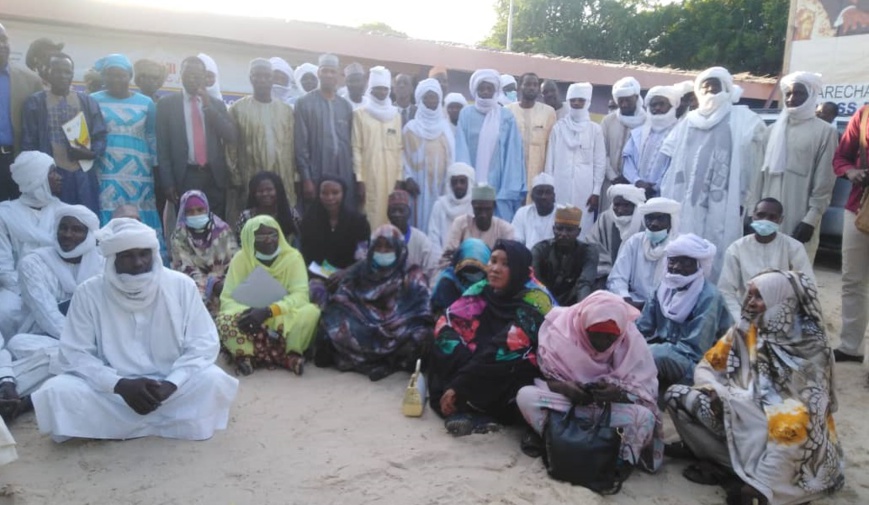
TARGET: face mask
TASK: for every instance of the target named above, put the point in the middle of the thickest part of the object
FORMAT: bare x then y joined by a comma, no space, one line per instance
281,93
656,237
267,257
383,259
475,277
197,222
676,281
133,284
764,228
663,121
623,220
579,115
511,95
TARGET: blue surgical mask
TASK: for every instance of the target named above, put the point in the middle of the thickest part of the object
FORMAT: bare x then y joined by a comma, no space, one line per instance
474,277
656,237
383,259
267,257
764,228
512,96
197,222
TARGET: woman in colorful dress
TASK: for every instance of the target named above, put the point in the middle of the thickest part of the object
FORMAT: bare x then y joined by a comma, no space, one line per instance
202,247
763,400
277,335
468,267
486,345
379,320
592,353
266,195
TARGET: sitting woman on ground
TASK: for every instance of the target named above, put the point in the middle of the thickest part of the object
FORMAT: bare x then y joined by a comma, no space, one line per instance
333,234
266,196
589,354
760,414
202,247
379,320
485,346
277,335
468,267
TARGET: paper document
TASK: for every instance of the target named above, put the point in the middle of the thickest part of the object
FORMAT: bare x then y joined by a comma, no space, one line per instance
76,131
259,290
325,270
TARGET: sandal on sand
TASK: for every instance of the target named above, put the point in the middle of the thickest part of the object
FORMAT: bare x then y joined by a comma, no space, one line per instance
459,425
243,366
532,444
739,494
486,424
704,473
296,363
678,450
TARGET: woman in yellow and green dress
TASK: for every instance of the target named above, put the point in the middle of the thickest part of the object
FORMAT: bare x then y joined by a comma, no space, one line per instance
279,334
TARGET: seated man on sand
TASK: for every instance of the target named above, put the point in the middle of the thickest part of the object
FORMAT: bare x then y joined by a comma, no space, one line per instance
564,264
137,352
615,226
482,225
533,222
687,314
765,249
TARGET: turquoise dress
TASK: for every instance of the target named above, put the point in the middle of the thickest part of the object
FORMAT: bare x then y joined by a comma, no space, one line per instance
126,170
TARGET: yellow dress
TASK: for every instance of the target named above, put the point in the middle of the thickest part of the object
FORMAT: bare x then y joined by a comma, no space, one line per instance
376,161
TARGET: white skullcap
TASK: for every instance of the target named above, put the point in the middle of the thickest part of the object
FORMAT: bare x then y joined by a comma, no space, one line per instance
810,80
424,87
661,205
261,63
379,76
506,80
456,98
485,75
30,170
580,90
625,87
684,87
122,234
281,65
543,179
720,73
629,192
458,168
87,218
304,68
692,246
669,92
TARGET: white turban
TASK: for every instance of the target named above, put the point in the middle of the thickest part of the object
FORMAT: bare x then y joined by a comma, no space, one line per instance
30,171
660,122
458,169
684,87
211,66
692,246
424,87
629,192
543,179
678,294
720,73
123,234
305,68
281,65
713,108
87,218
456,98
507,80
132,292
580,90
660,205
625,87
776,159
379,76
485,75
669,92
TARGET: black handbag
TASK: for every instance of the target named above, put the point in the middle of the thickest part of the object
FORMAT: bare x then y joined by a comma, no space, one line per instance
585,452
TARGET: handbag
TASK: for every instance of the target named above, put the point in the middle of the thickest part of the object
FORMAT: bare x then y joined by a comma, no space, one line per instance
585,452
862,221
414,396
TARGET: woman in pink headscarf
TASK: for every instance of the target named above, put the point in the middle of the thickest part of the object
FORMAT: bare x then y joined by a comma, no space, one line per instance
592,353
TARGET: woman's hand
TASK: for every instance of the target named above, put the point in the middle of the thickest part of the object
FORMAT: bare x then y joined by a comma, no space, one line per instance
448,402
574,391
606,392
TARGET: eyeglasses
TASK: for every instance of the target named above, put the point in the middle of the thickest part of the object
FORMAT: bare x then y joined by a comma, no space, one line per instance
265,237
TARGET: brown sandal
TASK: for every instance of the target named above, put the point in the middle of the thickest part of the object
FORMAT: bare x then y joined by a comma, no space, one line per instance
296,363
243,366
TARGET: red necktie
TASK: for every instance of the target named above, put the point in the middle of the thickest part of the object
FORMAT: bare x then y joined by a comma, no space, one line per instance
200,149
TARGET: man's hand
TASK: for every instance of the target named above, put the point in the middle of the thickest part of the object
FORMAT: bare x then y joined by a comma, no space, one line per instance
80,152
203,95
252,320
606,392
621,180
644,185
162,390
803,232
856,176
9,400
854,19
360,195
592,203
171,195
309,191
411,187
448,402
138,394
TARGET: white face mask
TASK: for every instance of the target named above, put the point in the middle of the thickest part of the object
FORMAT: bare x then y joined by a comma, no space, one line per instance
663,121
133,284
197,222
656,237
579,115
281,93
267,257
382,259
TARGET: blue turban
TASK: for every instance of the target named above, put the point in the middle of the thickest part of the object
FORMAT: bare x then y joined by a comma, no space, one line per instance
113,61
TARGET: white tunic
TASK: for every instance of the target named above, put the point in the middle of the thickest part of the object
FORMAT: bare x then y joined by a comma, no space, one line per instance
633,274
174,339
529,227
421,252
747,257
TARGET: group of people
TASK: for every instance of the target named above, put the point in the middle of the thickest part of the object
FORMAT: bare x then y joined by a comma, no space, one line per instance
371,233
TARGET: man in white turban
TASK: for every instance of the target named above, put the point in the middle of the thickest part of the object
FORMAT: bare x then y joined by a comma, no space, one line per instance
284,87
640,263
137,352
377,147
617,126
454,103
714,158
429,150
535,120
509,93
687,314
796,169
455,202
642,164
212,76
307,77
615,225
487,138
576,157
533,222
687,98
26,224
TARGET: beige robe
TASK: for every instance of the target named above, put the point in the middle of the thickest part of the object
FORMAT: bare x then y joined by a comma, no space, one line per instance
534,126
615,136
376,161
265,143
464,227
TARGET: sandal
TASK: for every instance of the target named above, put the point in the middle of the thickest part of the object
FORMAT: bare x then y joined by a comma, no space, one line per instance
243,366
678,450
459,425
531,444
704,473
296,363
738,494
486,424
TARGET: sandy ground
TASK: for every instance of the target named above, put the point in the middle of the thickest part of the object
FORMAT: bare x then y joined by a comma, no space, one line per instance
329,437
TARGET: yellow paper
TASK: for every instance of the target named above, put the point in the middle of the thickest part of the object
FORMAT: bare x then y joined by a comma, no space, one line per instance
76,131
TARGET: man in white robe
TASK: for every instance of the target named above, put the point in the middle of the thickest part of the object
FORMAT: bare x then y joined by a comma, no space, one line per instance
456,202
615,225
797,167
420,251
284,87
18,380
640,264
487,138
714,158
137,352
25,225
617,126
576,157
50,275
641,163
765,249
533,223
